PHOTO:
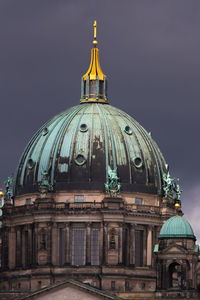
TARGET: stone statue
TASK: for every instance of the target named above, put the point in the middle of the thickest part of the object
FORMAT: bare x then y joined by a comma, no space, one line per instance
176,277
178,192
44,185
167,185
170,187
112,185
8,184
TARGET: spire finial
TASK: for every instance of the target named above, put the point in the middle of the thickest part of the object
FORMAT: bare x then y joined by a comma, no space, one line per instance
94,82
95,34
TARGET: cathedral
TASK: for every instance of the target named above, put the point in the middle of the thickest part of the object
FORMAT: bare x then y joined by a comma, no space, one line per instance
93,212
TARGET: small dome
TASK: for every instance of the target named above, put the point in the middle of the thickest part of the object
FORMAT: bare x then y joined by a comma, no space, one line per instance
176,227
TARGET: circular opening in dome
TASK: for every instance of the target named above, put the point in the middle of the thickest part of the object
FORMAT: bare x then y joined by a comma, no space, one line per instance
83,128
137,162
30,163
80,159
45,131
128,130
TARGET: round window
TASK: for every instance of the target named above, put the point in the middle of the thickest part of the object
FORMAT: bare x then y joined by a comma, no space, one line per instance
80,159
83,128
128,130
137,162
30,163
45,131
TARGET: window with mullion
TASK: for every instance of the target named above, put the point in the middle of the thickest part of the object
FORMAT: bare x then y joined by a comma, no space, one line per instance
139,245
78,246
62,246
95,246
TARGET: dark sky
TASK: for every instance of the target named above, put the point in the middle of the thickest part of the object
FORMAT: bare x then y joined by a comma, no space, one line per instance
150,51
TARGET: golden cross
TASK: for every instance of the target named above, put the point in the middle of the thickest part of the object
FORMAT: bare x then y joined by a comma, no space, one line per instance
95,29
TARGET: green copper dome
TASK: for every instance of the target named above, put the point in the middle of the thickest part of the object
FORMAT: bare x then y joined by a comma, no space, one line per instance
176,227
77,147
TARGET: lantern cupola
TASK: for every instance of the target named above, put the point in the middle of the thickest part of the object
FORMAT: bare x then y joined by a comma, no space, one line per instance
94,82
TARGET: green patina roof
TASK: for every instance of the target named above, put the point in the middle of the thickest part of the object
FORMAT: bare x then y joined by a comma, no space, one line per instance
176,227
76,148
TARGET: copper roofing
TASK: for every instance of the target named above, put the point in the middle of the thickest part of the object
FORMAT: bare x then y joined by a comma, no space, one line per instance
176,227
76,147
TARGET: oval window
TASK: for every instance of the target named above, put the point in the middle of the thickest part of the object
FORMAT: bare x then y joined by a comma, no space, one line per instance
83,128
45,131
128,130
80,159
138,162
30,163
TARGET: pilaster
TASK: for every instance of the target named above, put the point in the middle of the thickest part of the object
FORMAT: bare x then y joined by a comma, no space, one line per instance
12,248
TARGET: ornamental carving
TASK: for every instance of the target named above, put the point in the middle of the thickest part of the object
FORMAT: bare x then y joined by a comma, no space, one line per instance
8,185
170,187
112,185
44,185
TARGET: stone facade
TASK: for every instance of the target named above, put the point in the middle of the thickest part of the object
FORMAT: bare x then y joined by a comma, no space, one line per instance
114,238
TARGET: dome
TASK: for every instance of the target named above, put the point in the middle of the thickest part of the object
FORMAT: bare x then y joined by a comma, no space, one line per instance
176,227
77,146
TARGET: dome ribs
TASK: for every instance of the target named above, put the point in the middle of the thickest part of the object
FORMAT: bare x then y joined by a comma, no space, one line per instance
78,145
72,153
152,149
98,154
46,159
91,145
121,146
56,156
51,127
113,150
30,150
106,139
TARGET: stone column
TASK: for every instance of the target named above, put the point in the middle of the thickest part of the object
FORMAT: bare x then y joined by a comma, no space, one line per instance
149,246
132,244
101,244
12,248
35,244
23,247
120,245
49,242
145,247
88,244
68,244
105,244
30,245
54,244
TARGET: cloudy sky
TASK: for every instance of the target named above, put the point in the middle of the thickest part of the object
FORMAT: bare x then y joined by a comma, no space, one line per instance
150,51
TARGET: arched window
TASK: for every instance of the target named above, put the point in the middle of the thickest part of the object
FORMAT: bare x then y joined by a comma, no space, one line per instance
78,246
175,276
